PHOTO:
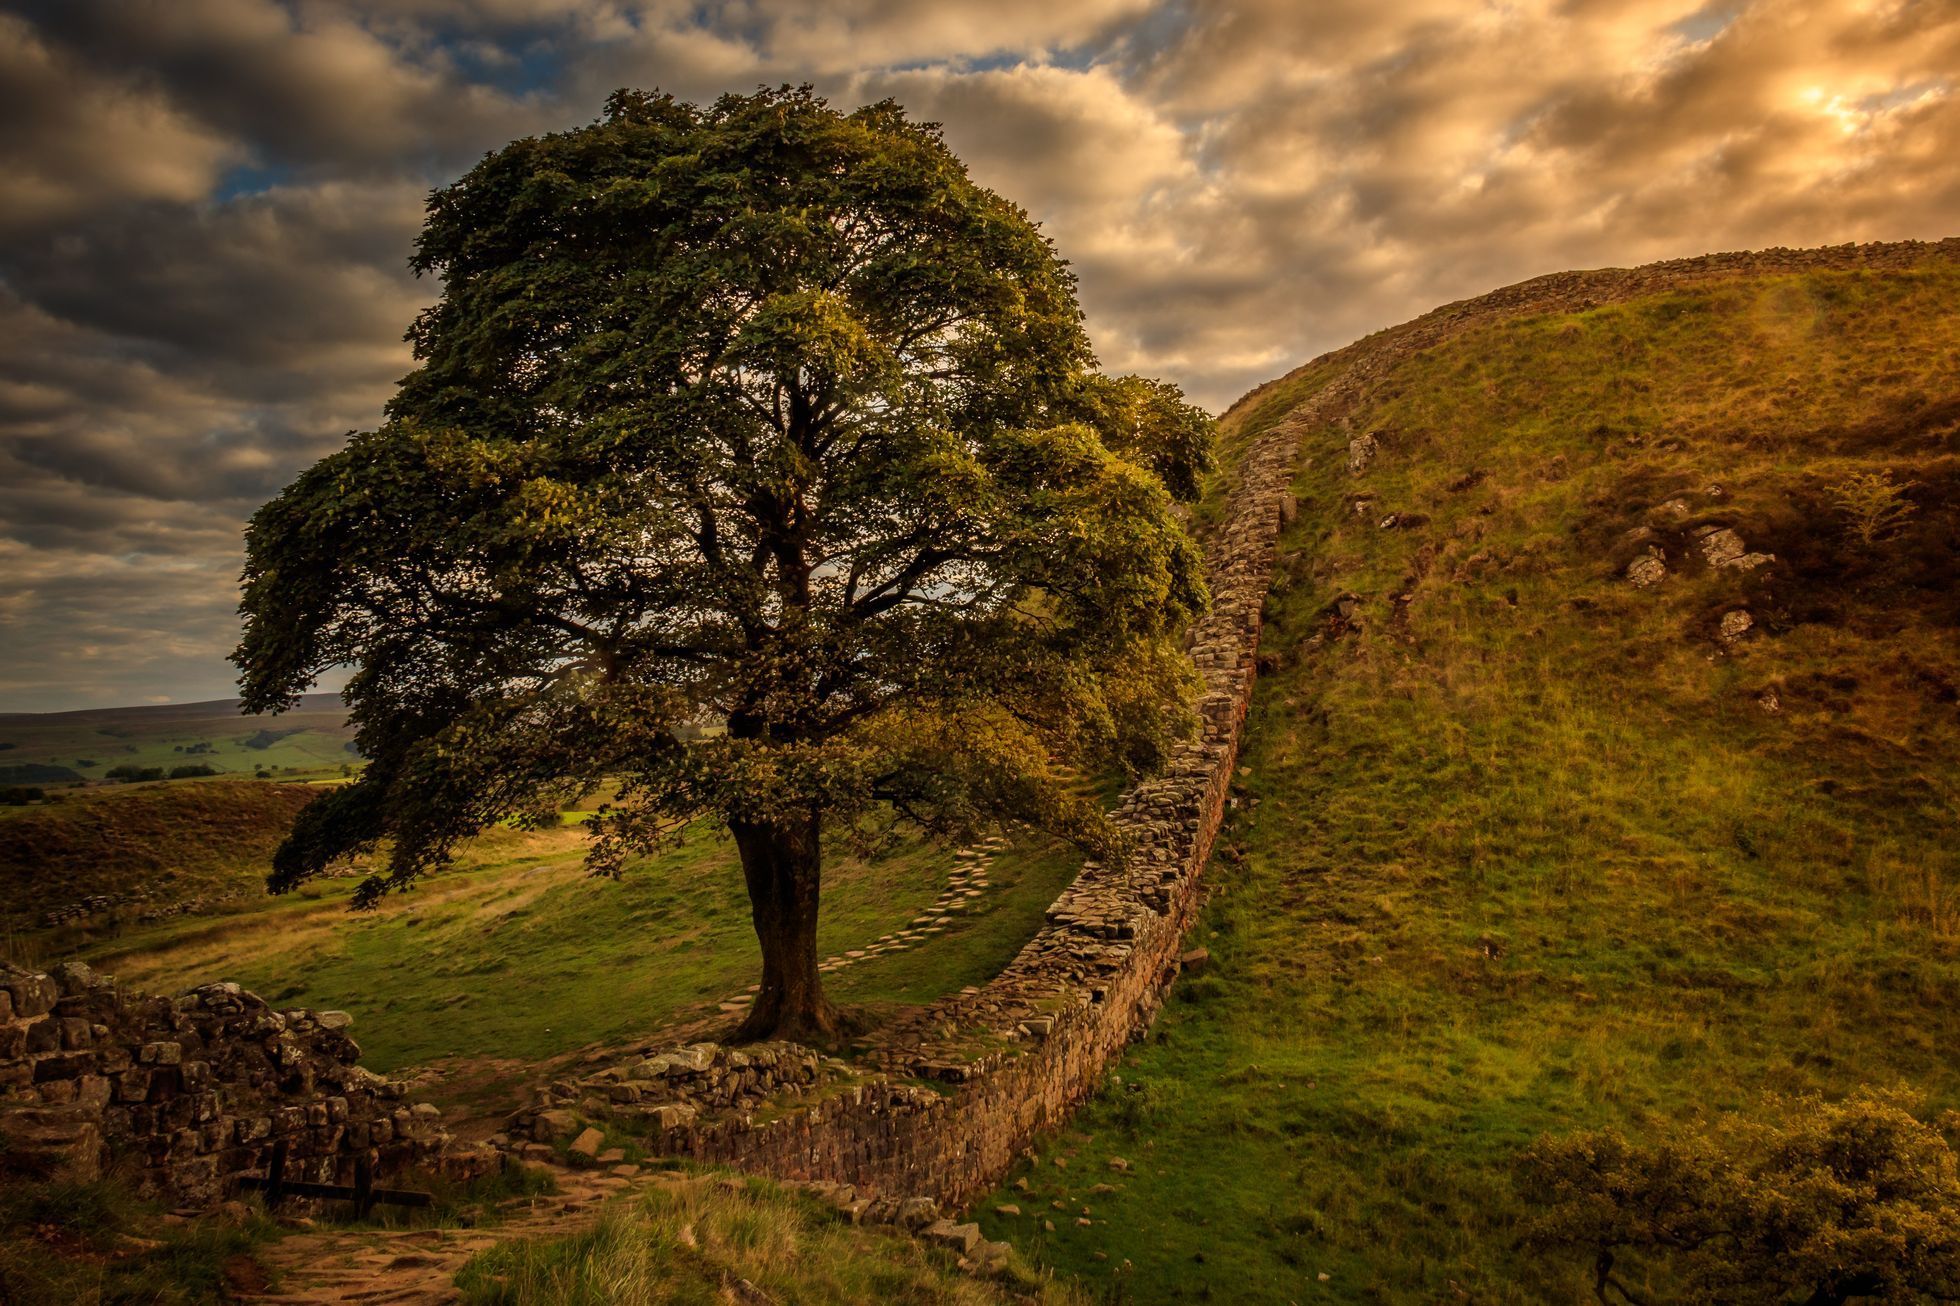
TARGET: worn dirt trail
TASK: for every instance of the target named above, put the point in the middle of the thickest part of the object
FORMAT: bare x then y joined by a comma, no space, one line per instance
417,1267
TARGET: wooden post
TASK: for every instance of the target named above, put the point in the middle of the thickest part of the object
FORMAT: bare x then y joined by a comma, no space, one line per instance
363,1186
275,1174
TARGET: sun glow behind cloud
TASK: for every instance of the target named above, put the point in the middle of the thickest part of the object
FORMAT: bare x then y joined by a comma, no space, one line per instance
209,204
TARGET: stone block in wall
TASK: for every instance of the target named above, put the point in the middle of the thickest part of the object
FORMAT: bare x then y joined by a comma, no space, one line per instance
51,1142
30,994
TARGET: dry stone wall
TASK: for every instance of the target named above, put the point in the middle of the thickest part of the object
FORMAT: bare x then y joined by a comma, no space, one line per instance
187,1095
960,1092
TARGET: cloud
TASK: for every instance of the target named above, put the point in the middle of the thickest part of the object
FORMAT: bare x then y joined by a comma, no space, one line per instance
76,140
316,86
208,205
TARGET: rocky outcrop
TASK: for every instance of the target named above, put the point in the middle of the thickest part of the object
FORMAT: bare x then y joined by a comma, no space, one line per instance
189,1094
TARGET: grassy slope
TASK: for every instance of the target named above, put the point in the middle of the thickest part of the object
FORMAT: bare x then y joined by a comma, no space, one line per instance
1527,854
170,842
694,1241
313,738
525,956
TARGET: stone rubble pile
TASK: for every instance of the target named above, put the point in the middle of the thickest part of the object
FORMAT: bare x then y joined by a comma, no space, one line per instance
669,1089
193,1092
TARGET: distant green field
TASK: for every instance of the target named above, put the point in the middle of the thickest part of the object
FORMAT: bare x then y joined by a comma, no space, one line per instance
1524,848
312,739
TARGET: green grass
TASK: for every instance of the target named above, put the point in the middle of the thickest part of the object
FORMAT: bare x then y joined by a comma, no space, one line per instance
693,1240
94,1242
518,956
1524,853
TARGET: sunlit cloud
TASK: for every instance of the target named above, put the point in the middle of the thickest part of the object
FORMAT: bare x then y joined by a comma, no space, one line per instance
208,206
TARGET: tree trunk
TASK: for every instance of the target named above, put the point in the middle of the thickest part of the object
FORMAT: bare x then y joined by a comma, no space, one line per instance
783,864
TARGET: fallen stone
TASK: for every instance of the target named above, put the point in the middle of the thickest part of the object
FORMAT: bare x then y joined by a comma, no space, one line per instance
962,1238
990,1258
1724,548
588,1144
917,1212
553,1125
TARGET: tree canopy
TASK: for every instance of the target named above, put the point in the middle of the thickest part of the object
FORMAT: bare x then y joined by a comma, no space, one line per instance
756,466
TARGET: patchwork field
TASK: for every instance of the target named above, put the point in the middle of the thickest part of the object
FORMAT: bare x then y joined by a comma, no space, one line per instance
312,739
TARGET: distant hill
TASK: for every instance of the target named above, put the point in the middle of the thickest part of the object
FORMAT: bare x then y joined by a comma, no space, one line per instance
314,737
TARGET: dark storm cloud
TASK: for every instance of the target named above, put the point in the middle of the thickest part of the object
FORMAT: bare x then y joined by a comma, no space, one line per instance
331,88
208,205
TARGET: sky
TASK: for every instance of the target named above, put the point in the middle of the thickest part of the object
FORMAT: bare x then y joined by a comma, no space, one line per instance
206,207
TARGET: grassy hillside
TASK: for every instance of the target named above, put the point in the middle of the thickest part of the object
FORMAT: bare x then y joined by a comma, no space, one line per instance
313,738
513,957
148,847
694,1240
1525,847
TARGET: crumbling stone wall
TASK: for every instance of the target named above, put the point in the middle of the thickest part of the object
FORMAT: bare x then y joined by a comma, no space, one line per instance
961,1091
192,1093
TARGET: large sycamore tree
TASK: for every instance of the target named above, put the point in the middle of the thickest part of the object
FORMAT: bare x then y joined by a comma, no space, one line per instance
755,468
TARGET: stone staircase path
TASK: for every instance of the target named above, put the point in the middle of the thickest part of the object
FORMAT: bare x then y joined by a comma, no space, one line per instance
968,881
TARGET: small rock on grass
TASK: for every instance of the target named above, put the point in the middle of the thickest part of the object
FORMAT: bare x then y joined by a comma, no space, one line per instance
962,1238
990,1258
589,1143
553,1124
